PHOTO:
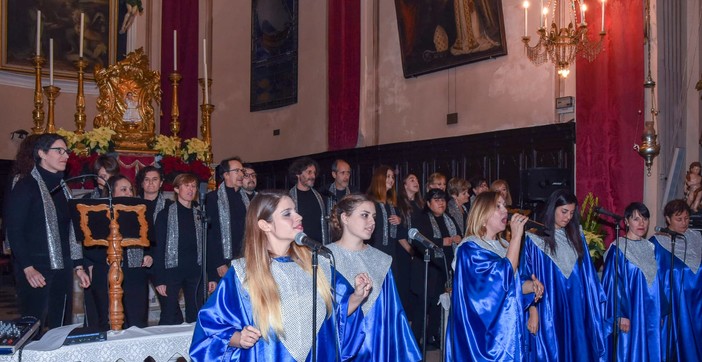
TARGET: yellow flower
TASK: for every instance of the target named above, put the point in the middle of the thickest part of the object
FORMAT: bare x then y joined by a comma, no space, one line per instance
72,139
166,145
196,147
99,139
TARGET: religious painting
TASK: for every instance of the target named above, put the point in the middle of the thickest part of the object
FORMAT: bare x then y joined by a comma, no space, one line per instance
60,21
436,35
273,54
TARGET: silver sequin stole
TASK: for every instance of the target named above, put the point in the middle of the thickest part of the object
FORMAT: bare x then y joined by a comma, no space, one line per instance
331,201
52,230
245,197
447,221
224,221
293,195
457,213
172,235
565,255
496,246
641,253
295,290
688,250
369,260
76,248
389,230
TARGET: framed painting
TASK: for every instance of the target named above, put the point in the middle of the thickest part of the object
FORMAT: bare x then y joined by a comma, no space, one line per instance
273,54
436,35
60,20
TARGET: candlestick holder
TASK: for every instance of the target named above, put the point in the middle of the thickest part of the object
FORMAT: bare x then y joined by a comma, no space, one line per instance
38,112
52,92
175,77
206,132
205,99
79,116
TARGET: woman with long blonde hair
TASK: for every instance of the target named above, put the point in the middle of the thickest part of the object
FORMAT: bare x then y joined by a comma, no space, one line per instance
261,309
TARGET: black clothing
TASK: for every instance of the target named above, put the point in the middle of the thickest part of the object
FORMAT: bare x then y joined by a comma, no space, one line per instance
26,229
237,220
308,208
186,275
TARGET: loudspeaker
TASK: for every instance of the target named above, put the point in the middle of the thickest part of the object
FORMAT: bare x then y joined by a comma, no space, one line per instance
538,183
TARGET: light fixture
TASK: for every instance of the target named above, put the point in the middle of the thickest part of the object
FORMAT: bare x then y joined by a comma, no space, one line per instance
649,147
561,45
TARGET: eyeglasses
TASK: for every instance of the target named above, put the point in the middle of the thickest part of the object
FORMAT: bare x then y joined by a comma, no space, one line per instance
236,170
62,151
250,175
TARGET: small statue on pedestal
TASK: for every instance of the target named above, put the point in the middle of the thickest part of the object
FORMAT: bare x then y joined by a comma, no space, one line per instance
693,186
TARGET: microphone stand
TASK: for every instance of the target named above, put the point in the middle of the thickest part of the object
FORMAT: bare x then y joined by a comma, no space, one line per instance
315,264
204,220
669,338
427,258
617,297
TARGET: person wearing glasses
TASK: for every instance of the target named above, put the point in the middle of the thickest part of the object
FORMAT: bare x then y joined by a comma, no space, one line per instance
38,224
226,208
250,182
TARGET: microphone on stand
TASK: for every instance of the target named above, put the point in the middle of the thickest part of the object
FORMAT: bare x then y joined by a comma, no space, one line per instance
603,211
671,233
414,234
81,177
303,240
530,224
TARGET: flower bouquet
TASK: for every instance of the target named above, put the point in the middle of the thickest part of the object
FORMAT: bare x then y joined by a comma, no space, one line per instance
594,236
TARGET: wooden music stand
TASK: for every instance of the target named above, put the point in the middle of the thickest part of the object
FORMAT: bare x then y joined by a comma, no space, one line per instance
114,241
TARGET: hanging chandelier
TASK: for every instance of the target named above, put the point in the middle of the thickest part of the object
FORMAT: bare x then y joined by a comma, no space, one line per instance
562,44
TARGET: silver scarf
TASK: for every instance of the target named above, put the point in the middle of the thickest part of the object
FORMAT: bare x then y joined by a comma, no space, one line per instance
160,205
457,213
331,201
53,237
224,220
687,250
641,253
76,248
447,221
172,235
388,228
293,195
245,197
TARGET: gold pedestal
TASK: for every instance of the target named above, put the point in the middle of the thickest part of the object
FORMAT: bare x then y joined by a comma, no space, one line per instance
38,112
206,133
175,77
79,116
52,92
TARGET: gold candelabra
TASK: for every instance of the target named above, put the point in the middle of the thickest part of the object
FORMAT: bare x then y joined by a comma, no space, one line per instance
206,130
52,92
175,77
561,45
38,112
79,116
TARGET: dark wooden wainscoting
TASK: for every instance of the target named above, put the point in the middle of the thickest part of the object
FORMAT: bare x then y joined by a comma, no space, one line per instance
496,155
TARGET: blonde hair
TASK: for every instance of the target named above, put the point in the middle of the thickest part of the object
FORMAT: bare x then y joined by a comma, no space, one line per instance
483,207
262,288
496,187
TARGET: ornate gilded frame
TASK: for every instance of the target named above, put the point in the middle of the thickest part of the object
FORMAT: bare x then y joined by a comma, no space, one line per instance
127,91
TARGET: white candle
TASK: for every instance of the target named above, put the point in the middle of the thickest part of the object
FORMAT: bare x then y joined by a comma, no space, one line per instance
526,7
51,61
175,50
545,14
583,7
603,6
541,18
38,52
82,28
204,61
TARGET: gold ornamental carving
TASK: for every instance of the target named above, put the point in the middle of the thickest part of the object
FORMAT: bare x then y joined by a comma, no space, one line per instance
127,91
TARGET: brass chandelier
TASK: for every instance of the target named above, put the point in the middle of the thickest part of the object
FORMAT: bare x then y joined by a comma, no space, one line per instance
561,45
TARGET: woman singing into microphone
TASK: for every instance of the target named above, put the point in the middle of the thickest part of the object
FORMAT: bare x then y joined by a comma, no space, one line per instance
262,310
570,314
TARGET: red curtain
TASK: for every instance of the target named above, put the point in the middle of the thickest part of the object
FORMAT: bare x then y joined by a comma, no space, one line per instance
344,73
610,101
178,15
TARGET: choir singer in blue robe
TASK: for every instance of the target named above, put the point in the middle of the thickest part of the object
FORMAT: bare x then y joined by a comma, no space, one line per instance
638,302
486,318
570,313
262,308
388,336
683,341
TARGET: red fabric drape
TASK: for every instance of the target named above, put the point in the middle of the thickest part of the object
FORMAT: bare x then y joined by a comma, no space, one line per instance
182,16
344,73
610,96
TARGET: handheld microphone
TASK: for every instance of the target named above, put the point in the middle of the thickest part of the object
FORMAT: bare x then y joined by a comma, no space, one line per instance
303,240
530,224
603,211
414,234
670,233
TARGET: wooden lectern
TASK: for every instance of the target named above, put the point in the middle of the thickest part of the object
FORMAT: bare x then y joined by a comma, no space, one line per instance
114,242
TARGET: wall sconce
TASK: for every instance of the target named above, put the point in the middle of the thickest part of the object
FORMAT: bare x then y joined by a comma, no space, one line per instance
20,134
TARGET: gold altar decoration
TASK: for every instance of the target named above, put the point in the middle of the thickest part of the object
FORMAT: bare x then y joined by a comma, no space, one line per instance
38,112
79,116
649,147
562,44
175,77
114,244
52,92
127,90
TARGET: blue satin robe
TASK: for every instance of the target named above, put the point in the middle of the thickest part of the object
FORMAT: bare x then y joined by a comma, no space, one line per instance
638,302
386,333
485,322
687,287
570,311
229,310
